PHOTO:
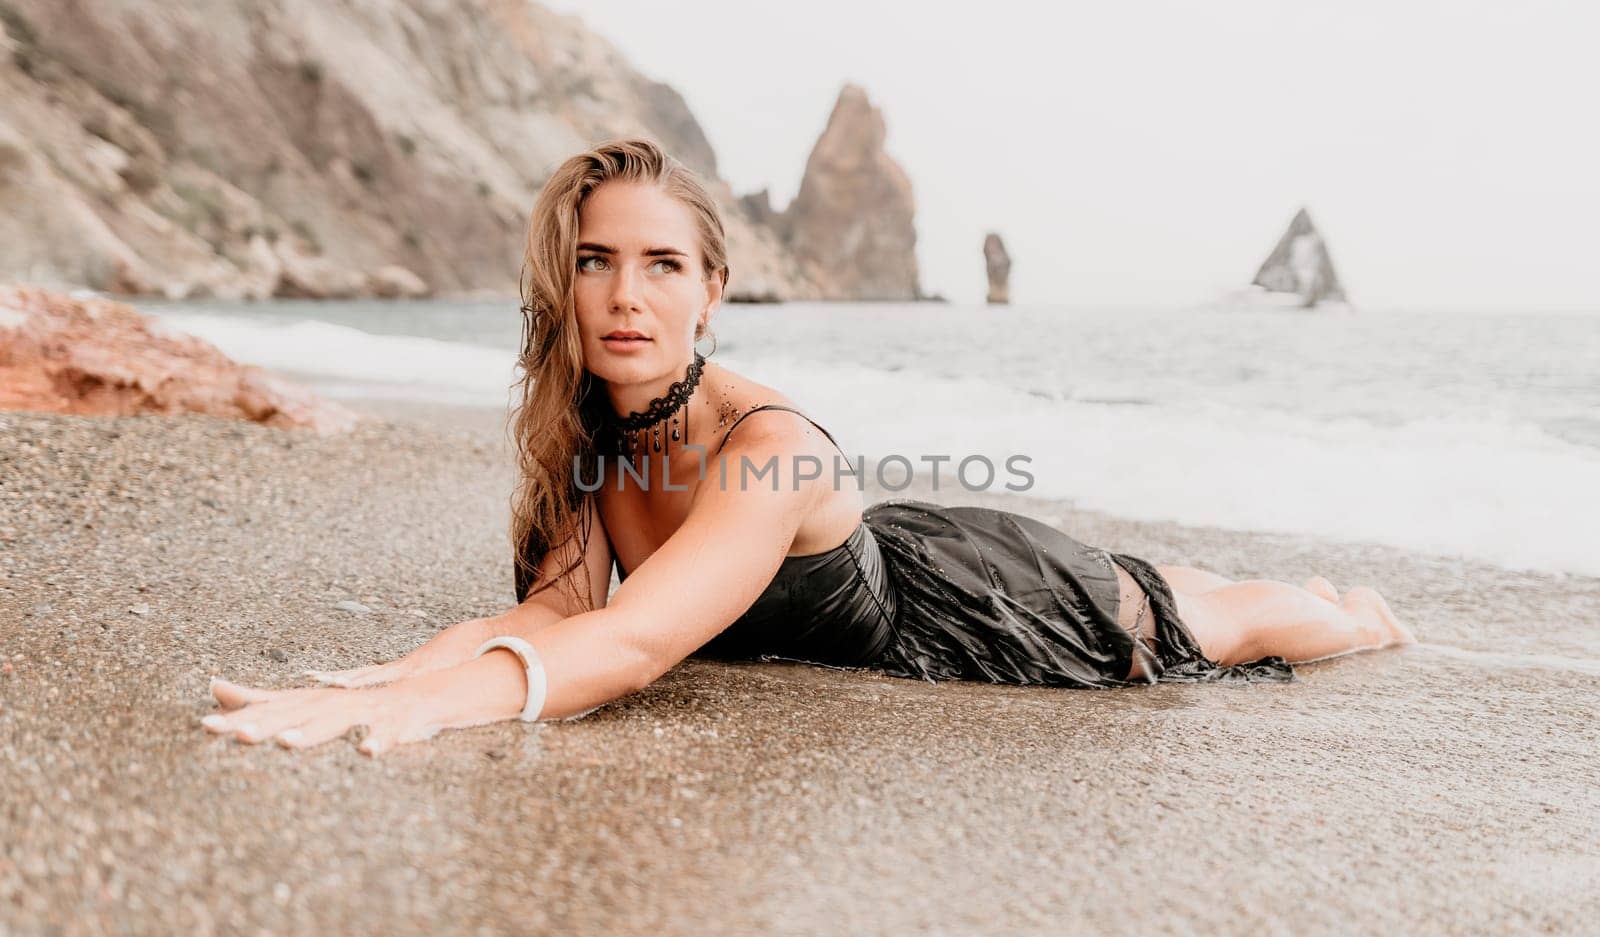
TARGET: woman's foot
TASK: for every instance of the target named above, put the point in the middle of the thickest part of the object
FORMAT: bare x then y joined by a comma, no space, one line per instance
1368,604
1316,585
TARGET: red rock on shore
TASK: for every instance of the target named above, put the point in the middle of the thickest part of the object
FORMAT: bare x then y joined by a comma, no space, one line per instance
98,357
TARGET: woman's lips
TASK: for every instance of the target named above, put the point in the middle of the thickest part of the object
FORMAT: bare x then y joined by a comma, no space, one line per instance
624,343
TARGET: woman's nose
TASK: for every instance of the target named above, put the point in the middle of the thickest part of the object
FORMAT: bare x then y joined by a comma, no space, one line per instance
624,290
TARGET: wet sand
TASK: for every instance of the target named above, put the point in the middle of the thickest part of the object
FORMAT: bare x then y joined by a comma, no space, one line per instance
1444,788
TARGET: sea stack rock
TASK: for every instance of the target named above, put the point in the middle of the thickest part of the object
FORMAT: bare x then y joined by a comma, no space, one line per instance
1300,266
999,265
850,227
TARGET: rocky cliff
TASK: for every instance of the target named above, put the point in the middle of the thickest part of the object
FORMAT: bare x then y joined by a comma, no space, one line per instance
851,225
254,148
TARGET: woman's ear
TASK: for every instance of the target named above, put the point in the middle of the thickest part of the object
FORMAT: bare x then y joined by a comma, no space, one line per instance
714,287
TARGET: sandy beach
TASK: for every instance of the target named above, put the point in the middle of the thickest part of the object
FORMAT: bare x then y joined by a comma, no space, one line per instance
1443,788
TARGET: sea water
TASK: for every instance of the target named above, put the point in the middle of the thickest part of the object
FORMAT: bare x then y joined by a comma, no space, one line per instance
1470,432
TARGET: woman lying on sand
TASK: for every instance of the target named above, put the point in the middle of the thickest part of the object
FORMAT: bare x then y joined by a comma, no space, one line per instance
740,534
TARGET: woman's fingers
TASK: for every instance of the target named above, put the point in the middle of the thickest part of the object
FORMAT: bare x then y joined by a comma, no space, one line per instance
225,725
378,741
258,722
318,729
233,695
390,733
244,724
298,718
257,715
308,717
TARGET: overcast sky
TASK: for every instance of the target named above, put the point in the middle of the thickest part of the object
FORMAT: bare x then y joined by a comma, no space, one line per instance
1153,150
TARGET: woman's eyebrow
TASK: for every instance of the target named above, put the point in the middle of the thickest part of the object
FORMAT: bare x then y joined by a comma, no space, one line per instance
650,252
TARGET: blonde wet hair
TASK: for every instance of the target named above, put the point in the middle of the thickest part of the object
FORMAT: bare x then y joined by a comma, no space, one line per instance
560,404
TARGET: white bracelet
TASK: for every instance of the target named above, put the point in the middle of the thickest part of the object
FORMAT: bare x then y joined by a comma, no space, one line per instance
530,663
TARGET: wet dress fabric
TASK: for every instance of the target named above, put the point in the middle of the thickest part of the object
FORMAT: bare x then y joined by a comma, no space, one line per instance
933,592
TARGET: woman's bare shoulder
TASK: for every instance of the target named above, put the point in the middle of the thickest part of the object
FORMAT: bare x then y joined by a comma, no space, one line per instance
741,392
738,397
805,459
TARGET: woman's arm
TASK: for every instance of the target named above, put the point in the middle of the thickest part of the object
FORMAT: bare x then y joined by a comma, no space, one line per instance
707,574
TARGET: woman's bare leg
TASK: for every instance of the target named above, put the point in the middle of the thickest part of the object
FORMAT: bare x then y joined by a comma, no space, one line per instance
1239,621
1263,617
1323,588
1135,615
1191,579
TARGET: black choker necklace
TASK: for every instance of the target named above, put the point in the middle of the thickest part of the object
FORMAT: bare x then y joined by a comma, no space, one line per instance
651,417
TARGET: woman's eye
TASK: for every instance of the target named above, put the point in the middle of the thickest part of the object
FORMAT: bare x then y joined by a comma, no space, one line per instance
584,260
671,265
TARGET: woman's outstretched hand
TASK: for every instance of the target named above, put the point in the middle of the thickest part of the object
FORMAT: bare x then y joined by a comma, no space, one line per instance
452,646
303,718
441,685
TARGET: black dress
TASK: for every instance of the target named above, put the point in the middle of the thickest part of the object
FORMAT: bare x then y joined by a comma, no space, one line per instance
931,592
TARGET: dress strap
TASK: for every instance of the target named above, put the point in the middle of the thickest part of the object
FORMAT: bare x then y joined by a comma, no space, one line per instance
779,406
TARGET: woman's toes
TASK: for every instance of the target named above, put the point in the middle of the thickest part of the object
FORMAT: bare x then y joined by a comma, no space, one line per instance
1403,634
1397,628
1322,587
1373,603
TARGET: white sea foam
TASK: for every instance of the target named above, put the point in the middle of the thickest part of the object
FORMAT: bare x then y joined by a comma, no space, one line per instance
1503,492
360,364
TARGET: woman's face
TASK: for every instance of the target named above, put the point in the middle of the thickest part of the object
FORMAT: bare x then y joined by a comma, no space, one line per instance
640,287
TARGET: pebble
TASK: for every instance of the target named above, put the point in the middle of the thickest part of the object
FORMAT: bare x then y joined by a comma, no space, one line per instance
355,608
42,609
279,654
140,609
